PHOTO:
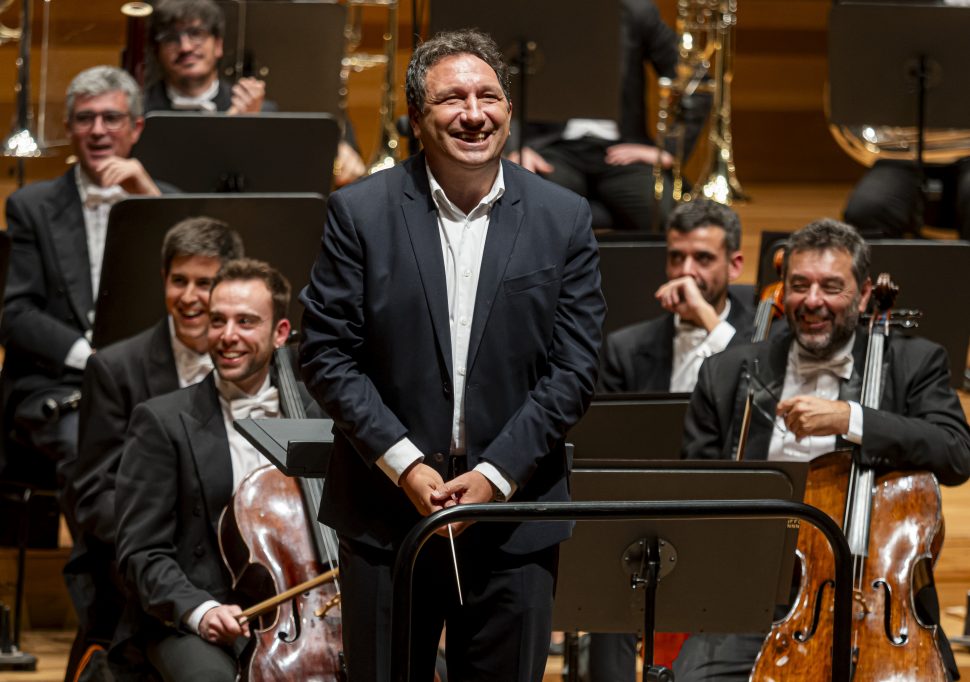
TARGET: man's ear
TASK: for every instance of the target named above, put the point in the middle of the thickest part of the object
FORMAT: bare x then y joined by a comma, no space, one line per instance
413,118
735,265
866,293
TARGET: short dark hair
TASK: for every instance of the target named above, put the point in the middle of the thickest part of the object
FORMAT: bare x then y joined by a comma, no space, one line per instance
706,213
828,233
168,13
201,236
250,268
447,44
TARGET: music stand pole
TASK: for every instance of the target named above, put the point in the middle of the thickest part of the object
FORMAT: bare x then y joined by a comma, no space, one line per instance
647,578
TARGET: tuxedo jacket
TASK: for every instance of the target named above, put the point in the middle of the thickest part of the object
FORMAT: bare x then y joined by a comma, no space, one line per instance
116,378
49,302
377,349
640,358
919,424
174,480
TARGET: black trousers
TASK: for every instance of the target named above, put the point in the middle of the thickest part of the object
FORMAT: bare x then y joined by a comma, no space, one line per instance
887,202
500,633
625,192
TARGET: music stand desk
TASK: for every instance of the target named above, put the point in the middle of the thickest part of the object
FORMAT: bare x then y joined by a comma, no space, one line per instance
282,229
632,426
269,152
298,447
550,511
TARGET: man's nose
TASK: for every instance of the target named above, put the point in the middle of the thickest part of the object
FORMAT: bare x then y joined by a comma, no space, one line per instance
473,111
813,299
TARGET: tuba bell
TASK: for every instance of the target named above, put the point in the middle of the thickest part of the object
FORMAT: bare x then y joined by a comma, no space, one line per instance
706,30
386,153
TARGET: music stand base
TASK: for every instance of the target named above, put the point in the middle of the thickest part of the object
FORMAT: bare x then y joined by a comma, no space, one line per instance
17,660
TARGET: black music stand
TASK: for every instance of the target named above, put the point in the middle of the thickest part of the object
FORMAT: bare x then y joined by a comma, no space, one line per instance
265,39
656,573
945,306
297,447
631,272
281,229
270,152
555,75
899,64
641,426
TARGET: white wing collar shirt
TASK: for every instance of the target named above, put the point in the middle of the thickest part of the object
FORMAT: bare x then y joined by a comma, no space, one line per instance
462,247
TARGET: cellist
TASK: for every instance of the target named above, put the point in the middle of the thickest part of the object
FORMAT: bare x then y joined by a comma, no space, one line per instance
806,389
181,462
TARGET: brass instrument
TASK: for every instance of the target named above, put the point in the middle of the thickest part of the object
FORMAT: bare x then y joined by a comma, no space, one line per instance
21,142
386,153
7,34
867,144
706,29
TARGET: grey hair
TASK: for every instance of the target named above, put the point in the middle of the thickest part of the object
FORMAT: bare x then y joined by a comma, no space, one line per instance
101,79
826,234
447,44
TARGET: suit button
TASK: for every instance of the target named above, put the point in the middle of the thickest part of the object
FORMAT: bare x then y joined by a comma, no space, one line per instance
438,458
197,509
446,387
199,550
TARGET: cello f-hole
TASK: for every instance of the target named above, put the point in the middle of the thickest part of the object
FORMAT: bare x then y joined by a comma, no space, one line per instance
816,613
887,594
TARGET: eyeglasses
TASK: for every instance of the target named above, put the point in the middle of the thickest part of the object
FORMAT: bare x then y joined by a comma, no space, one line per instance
195,34
111,120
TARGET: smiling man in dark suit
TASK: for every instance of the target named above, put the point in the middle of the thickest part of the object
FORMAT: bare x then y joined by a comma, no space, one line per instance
57,228
807,404
170,355
181,463
452,324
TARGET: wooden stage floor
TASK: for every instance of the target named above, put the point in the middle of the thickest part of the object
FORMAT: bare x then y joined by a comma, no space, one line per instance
775,207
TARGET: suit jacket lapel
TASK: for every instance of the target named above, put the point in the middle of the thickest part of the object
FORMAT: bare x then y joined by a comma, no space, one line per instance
422,224
503,227
160,372
70,244
206,436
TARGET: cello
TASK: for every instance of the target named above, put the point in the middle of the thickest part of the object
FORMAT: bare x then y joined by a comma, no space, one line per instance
893,524
270,541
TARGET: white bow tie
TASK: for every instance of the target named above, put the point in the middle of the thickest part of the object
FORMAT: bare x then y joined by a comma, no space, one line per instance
265,404
180,103
95,196
808,365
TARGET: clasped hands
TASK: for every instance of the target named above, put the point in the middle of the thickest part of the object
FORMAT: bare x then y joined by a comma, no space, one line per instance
808,415
429,492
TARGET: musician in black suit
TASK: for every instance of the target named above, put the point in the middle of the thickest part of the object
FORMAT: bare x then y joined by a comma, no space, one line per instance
808,384
186,39
703,317
181,463
58,228
664,354
171,354
611,162
452,323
